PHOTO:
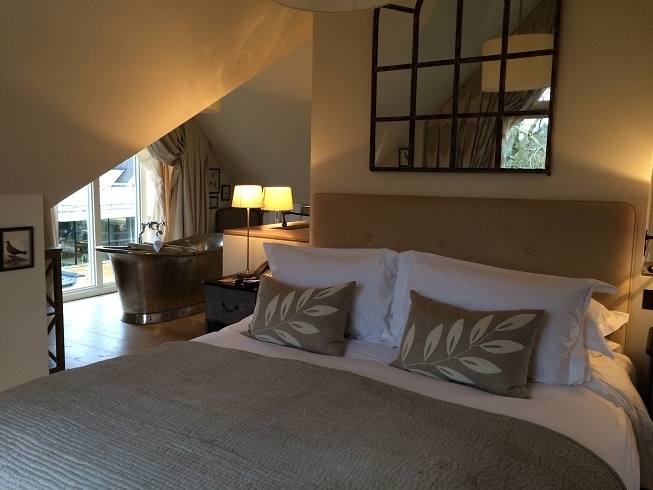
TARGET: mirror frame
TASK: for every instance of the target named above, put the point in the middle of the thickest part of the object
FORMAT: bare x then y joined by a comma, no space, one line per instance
499,115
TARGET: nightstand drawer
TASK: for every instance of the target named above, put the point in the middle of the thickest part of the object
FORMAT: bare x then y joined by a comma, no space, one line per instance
227,305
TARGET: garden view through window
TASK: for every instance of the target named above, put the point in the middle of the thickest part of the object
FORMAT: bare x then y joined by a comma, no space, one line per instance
524,143
104,212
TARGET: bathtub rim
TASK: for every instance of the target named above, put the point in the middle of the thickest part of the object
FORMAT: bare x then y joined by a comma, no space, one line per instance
162,316
188,249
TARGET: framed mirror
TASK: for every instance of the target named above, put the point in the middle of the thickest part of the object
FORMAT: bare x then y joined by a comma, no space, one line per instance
464,85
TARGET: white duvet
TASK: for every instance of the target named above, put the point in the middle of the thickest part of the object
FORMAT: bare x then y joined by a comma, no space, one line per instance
600,414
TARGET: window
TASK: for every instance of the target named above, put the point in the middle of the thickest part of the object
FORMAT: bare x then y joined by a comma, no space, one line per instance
105,212
524,143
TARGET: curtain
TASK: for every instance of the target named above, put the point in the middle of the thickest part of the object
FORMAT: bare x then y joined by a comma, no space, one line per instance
162,178
178,166
475,137
51,227
475,140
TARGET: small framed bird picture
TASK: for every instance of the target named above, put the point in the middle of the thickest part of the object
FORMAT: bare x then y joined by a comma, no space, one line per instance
17,248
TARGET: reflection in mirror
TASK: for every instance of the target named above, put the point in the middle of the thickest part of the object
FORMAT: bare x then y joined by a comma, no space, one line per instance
397,49
397,82
452,86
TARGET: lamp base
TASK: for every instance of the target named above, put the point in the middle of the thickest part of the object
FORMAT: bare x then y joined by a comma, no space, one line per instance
245,274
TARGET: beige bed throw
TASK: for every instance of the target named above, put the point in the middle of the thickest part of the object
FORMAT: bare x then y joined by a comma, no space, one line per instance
192,415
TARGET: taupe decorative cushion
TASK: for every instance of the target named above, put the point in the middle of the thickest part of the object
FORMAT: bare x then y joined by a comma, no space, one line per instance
486,349
311,319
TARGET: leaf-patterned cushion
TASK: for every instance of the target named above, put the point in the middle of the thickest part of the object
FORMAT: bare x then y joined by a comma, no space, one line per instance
311,319
486,349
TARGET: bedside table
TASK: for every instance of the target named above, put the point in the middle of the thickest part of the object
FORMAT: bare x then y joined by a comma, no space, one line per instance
227,301
649,351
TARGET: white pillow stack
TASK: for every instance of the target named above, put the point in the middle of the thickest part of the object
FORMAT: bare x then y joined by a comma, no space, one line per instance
374,271
559,355
573,325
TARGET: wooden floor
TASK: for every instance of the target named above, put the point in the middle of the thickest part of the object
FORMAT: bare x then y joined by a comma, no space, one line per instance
93,331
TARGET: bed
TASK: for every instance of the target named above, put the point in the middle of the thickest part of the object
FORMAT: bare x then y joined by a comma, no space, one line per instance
530,390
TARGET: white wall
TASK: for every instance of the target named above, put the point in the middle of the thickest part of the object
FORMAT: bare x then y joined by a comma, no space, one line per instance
23,327
262,133
86,85
603,128
234,259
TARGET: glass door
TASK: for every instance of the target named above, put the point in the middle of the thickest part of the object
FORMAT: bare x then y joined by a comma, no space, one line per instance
74,218
103,212
118,211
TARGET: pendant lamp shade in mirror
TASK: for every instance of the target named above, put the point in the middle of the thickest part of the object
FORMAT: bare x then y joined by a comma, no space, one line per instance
332,5
522,74
248,197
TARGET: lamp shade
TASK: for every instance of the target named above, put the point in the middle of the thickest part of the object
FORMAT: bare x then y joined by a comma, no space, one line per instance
521,73
247,196
332,5
277,199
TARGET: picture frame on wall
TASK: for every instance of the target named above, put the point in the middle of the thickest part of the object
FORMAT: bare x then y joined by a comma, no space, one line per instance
404,154
214,180
17,248
225,192
213,202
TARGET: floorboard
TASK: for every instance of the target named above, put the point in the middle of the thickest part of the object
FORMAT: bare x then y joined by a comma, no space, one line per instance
94,331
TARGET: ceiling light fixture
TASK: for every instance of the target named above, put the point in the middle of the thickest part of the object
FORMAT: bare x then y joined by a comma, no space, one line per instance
332,5
530,73
521,73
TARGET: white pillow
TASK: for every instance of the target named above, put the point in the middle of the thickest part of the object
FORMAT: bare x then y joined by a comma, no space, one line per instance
613,346
604,320
374,271
599,322
559,355
592,339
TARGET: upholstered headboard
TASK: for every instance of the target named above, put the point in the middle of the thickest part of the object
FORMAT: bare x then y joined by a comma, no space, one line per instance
565,238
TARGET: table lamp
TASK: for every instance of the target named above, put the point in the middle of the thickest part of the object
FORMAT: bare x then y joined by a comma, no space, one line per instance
247,196
277,199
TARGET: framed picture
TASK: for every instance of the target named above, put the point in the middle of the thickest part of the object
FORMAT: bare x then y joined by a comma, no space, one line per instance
17,248
404,153
214,180
213,202
225,193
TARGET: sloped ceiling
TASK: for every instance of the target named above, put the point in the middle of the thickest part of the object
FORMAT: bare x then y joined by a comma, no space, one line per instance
262,131
84,85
